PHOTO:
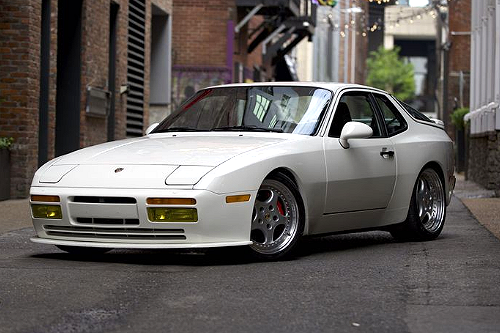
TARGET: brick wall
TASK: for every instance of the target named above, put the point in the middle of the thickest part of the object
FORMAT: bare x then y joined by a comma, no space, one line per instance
52,80
484,161
199,32
254,58
459,54
95,53
19,87
460,21
20,40
200,45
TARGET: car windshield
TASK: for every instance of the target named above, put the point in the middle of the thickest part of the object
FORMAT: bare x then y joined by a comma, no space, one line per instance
259,108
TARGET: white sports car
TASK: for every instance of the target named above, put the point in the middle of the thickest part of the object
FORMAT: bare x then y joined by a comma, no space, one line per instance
256,165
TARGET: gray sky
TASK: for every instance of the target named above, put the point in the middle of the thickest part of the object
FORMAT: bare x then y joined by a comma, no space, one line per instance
419,3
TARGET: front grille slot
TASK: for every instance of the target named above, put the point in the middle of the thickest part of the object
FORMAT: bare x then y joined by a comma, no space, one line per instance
89,220
115,233
110,200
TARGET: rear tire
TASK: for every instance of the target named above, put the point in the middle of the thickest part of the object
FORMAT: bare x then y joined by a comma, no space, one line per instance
277,219
427,211
83,251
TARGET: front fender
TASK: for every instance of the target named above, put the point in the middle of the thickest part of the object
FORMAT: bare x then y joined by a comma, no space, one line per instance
304,158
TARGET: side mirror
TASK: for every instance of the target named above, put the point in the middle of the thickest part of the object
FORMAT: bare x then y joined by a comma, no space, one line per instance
151,128
354,130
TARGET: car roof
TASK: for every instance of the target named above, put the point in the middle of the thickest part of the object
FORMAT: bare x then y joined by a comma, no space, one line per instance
333,86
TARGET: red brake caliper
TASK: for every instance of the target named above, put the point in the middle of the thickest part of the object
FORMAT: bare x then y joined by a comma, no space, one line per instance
280,208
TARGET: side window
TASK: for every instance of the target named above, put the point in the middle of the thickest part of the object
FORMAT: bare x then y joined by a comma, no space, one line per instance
354,107
394,122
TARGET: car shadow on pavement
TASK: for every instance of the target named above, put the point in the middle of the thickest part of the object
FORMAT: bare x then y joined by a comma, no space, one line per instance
201,257
343,242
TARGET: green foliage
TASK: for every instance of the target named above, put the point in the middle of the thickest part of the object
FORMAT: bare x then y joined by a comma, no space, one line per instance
388,72
457,117
5,143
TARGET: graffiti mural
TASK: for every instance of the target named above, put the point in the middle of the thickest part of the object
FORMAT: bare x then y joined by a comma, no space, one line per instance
186,80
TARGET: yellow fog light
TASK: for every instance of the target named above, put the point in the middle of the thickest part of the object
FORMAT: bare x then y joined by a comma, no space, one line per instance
237,198
45,198
46,212
161,214
171,201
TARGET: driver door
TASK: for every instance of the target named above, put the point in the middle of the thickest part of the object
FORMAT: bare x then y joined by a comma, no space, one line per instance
362,177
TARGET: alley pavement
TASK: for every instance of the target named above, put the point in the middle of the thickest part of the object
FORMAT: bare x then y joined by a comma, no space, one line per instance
360,282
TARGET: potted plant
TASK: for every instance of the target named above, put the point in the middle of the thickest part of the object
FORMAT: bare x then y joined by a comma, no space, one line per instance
5,144
457,118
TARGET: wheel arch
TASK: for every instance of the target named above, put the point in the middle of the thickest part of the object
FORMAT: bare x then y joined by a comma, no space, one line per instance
436,167
296,180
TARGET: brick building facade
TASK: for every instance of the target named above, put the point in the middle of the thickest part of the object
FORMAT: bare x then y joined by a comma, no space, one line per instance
459,54
221,41
458,72
78,79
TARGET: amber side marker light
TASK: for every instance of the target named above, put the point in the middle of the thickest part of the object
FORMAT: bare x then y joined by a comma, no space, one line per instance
171,201
237,198
45,198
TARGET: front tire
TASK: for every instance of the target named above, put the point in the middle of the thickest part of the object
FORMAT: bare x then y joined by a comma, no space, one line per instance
427,211
277,219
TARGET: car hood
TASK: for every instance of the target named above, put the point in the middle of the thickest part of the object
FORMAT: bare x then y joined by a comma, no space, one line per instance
208,149
149,162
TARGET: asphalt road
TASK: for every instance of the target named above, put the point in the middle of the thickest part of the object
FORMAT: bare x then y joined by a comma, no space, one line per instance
362,282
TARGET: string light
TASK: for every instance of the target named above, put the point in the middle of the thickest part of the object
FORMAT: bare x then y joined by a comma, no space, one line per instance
390,23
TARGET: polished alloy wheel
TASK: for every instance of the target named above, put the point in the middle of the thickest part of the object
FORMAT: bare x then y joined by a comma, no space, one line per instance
275,218
430,200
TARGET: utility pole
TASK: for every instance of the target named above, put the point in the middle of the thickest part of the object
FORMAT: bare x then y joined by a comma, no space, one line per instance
346,38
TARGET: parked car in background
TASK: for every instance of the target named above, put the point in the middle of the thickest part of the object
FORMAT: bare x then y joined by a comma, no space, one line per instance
255,165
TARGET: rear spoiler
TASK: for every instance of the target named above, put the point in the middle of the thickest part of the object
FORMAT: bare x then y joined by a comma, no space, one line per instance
438,122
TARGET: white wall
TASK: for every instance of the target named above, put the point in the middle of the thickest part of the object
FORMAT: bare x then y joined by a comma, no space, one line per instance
485,67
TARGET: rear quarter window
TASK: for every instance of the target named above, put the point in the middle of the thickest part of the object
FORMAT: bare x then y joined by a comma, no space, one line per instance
393,120
414,113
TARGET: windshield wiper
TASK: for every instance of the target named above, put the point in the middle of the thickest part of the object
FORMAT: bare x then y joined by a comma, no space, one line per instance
179,129
247,128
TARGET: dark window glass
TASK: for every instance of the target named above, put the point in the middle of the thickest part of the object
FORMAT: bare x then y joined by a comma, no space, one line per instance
414,113
354,107
394,122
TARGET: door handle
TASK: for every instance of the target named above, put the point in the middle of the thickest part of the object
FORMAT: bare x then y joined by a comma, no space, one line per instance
387,153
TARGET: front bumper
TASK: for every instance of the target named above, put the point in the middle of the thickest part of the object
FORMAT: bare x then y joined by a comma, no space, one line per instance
219,223
127,245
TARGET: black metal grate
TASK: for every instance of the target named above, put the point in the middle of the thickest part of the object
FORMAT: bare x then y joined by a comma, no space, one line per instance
114,233
110,200
90,220
135,67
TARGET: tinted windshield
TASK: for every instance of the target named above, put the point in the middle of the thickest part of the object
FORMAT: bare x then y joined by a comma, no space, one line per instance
264,108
